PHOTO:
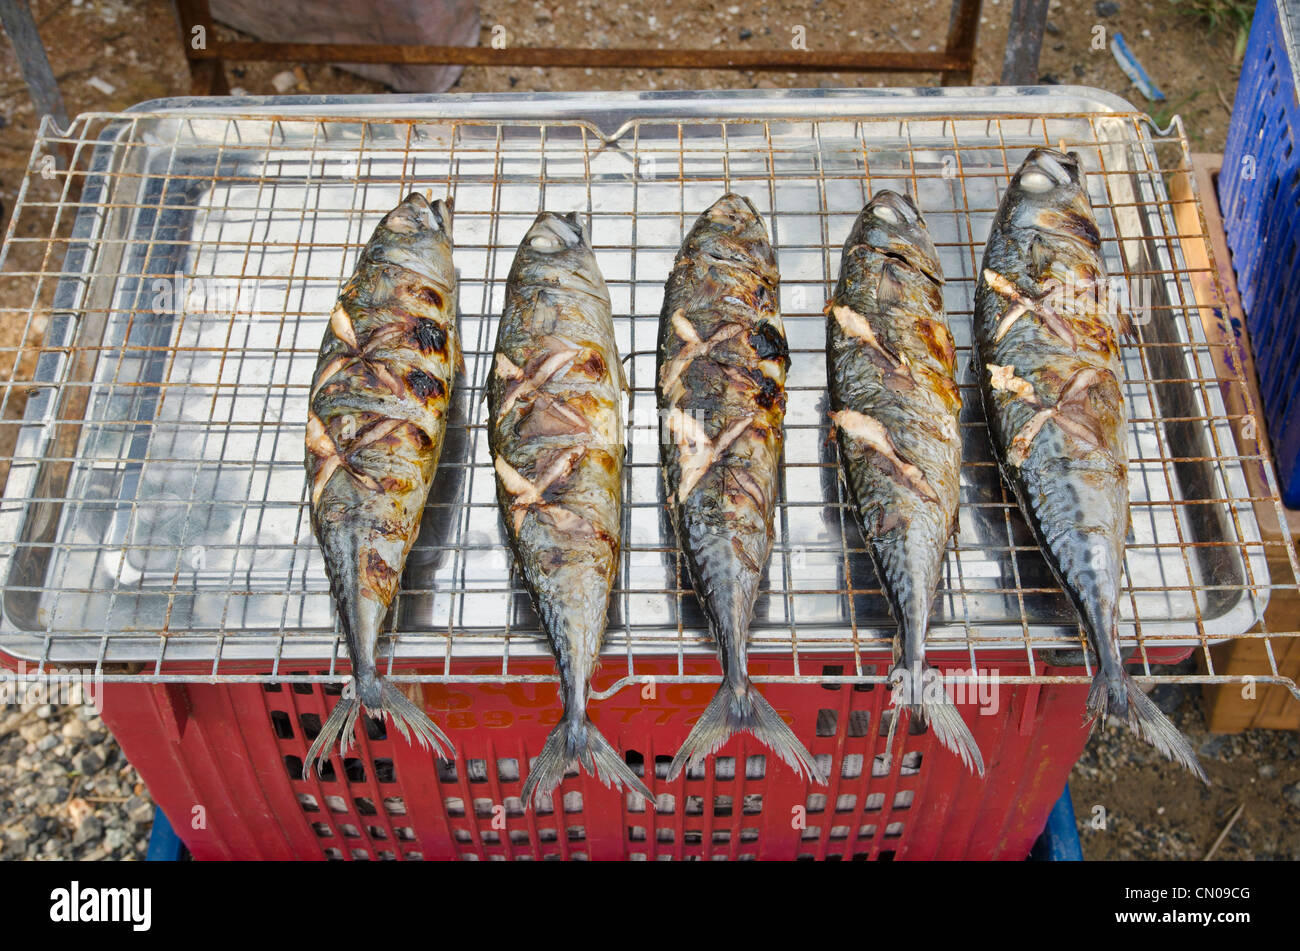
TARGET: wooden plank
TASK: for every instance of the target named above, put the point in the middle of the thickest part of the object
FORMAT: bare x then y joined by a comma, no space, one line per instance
1214,286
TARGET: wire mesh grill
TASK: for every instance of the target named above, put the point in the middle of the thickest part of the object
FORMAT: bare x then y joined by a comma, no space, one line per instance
166,295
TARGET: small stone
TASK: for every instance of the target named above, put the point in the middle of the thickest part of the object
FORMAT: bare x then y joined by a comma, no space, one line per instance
1052,28
74,730
1047,79
114,839
1168,697
45,711
139,810
1057,47
1107,8
1292,794
91,828
1267,771
284,81
746,34
32,732
47,742
88,762
107,88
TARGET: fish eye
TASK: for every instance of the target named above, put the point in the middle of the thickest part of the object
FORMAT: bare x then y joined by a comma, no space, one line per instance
1036,181
887,214
546,242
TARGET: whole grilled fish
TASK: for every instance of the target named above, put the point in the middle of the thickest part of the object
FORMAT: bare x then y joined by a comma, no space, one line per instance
721,387
555,430
1048,360
894,401
378,413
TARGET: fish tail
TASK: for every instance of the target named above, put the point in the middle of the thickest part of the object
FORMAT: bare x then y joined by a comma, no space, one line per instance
1121,696
933,707
406,716
576,739
737,708
338,726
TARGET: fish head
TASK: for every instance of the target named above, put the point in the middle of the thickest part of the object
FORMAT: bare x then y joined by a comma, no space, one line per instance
731,228
892,224
416,235
558,243
1049,192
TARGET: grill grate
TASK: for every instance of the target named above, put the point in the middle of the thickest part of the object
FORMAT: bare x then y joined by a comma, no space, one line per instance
167,295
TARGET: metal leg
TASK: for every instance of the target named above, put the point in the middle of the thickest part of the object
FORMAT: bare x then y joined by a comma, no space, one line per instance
16,15
207,76
1024,42
962,24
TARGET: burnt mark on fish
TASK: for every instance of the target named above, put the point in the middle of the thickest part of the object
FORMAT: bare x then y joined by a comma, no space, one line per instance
592,365
938,340
429,295
379,572
425,386
428,336
768,342
770,393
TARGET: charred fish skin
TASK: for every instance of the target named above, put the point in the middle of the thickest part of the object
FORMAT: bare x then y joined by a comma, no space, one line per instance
375,427
891,367
1048,361
556,435
720,382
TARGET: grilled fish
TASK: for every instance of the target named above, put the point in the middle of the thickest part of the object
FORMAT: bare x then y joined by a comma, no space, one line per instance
894,402
1048,360
375,427
555,430
722,361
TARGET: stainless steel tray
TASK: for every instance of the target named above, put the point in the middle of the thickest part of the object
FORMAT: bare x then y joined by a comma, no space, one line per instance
155,508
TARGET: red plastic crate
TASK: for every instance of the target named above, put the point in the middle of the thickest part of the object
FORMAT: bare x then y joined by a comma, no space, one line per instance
230,756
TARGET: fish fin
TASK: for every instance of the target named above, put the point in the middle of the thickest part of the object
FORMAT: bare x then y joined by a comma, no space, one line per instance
408,718
1144,719
945,720
338,726
1127,328
622,376
588,746
730,712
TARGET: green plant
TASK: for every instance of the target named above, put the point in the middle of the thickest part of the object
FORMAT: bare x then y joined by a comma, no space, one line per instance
1165,114
1234,15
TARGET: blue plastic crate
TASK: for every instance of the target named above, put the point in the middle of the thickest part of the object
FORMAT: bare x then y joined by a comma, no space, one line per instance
1259,195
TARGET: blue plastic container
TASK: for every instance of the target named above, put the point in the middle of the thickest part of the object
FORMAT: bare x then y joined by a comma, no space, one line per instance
1259,195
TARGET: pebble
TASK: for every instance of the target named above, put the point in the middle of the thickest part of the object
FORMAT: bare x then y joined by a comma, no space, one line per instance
284,82
1292,794
1267,771
1107,8
48,755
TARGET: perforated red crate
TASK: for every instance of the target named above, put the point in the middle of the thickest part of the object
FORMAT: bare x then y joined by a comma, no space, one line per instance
224,763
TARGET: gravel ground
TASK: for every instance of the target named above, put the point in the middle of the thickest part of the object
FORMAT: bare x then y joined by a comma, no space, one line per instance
66,791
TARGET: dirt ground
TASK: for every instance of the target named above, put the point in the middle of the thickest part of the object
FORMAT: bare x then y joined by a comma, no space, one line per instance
109,55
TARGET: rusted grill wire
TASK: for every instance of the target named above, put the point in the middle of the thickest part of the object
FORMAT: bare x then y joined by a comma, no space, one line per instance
166,297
